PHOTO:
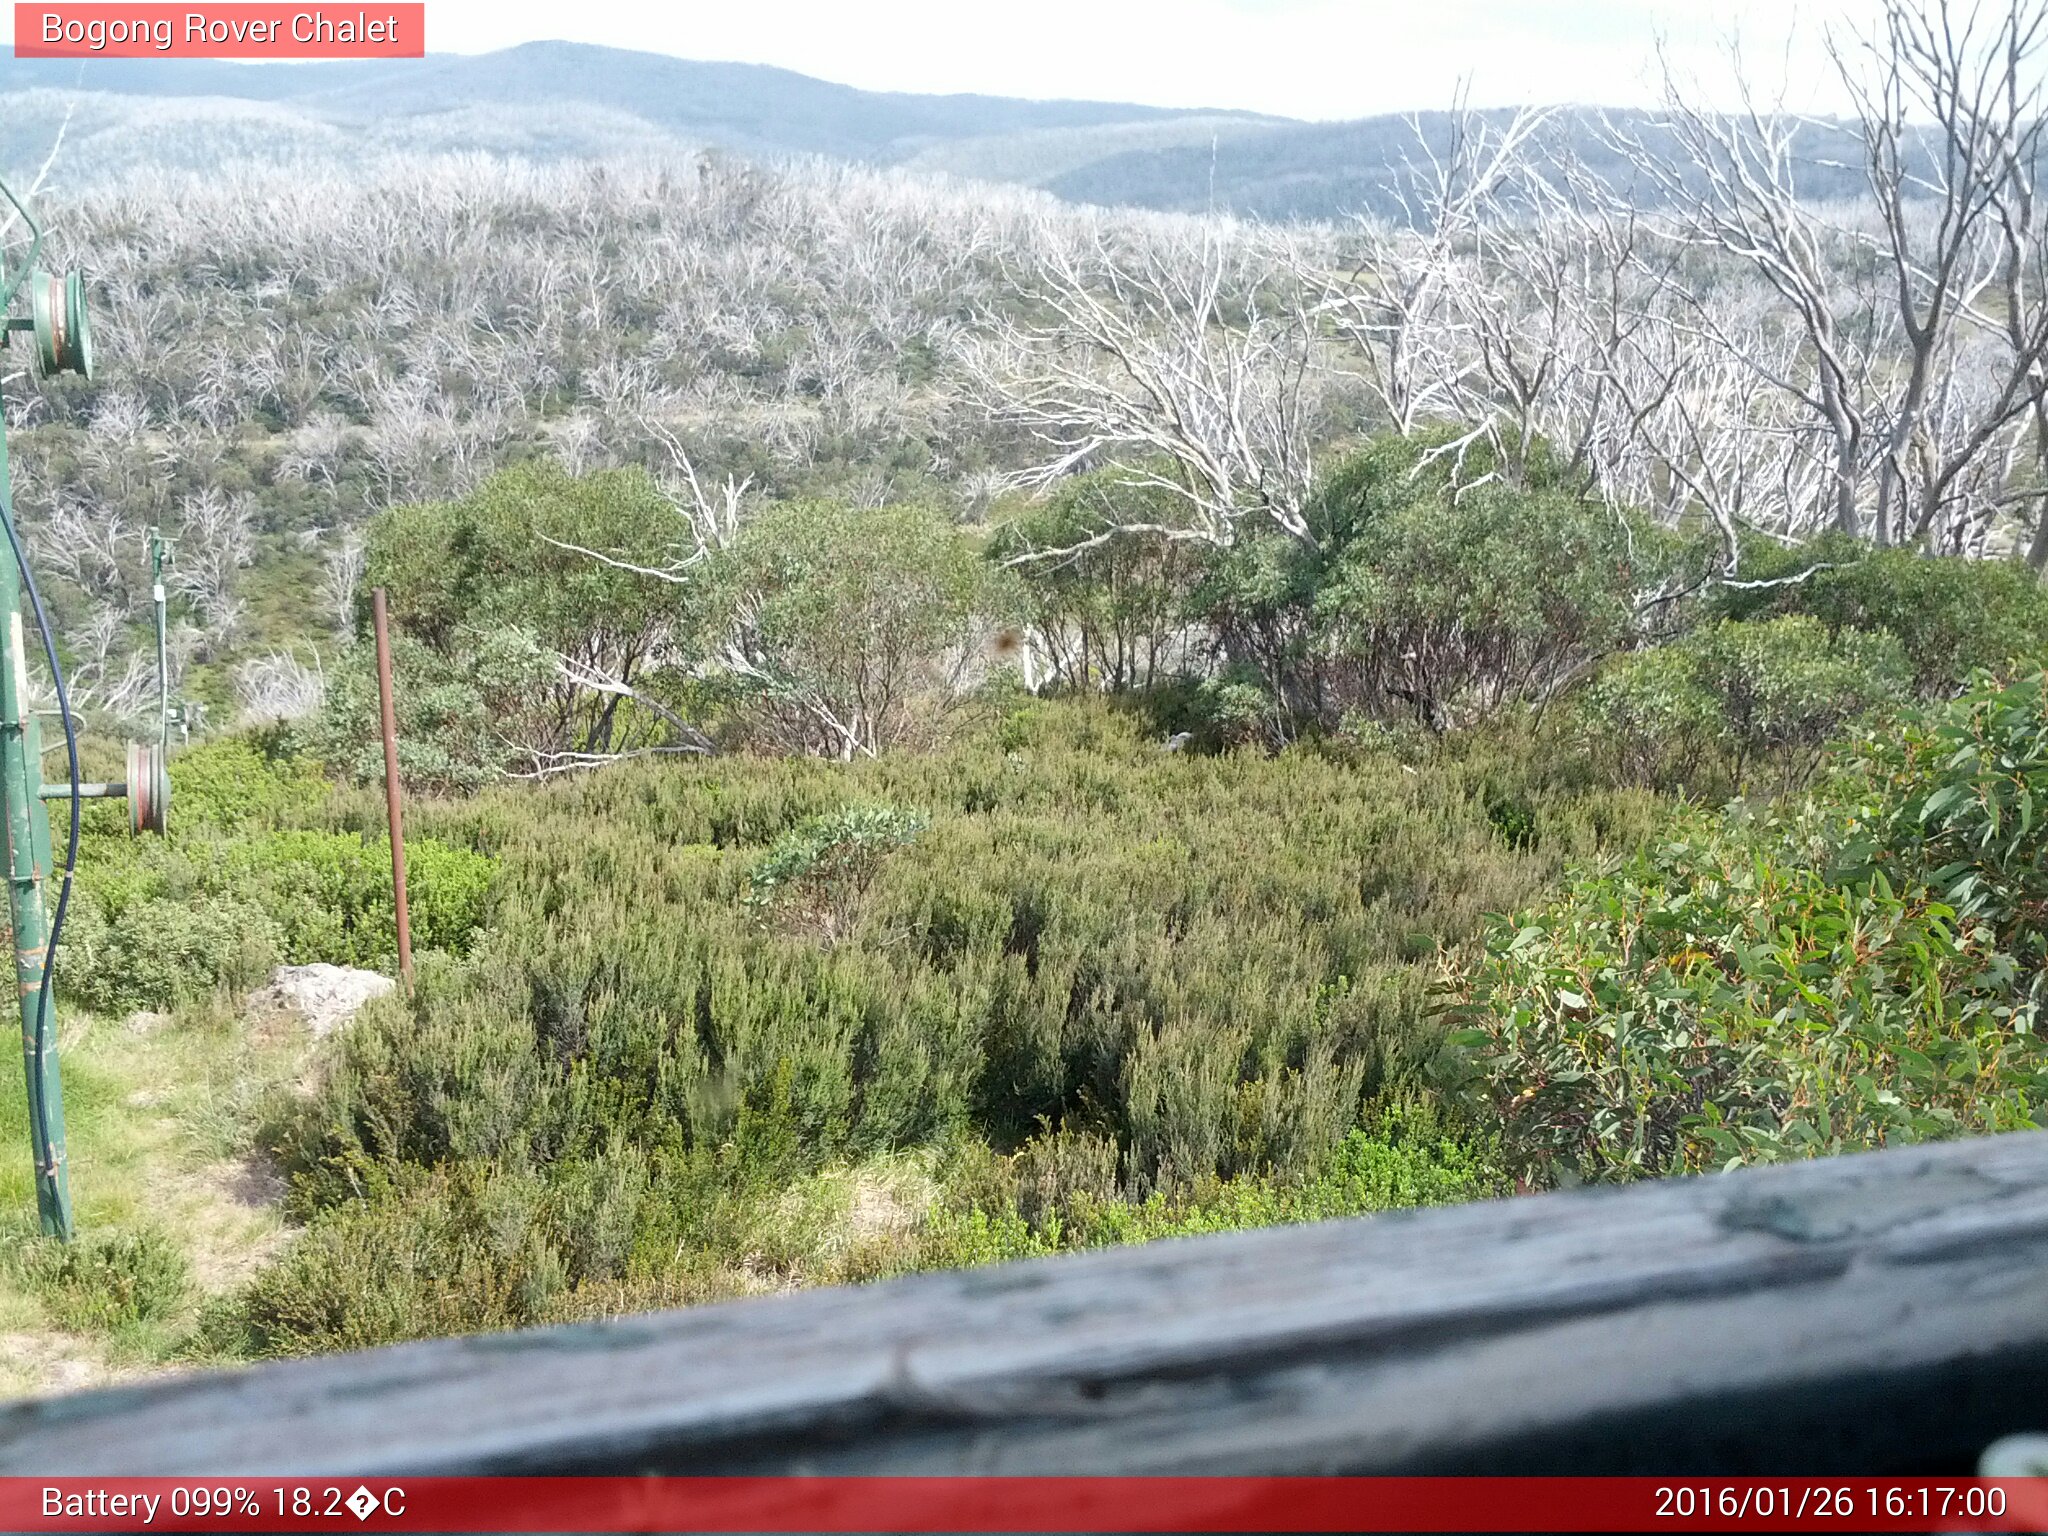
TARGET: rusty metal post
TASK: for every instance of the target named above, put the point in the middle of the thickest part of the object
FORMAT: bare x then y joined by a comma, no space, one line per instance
391,790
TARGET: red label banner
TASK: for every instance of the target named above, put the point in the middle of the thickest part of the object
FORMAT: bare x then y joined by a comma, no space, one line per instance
1023,1504
224,31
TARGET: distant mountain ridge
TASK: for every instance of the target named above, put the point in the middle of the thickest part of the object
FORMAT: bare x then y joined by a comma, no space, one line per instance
554,99
750,107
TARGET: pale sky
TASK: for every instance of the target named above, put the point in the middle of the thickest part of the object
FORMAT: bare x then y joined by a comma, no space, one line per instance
1297,58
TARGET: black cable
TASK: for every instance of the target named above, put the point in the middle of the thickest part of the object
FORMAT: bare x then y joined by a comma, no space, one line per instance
46,1152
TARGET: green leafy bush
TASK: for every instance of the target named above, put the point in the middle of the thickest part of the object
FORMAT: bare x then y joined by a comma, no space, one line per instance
855,627
1856,972
489,594
1066,1197
447,736
1217,713
1438,584
1731,698
816,873
1455,607
1954,798
1953,616
1109,614
454,1253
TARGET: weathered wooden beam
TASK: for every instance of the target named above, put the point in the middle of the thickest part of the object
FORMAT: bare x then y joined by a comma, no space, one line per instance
1885,1312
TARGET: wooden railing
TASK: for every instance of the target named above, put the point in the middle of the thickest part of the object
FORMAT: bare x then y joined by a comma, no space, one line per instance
1879,1313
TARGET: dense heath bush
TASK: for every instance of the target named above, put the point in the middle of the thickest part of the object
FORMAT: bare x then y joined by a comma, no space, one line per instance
454,712
242,783
178,920
105,1282
1208,971
1707,711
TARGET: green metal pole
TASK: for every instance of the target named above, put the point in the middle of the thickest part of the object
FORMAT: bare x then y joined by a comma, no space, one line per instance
163,667
27,853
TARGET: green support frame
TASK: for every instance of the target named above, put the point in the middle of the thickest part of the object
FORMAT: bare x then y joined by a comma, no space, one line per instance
29,866
60,337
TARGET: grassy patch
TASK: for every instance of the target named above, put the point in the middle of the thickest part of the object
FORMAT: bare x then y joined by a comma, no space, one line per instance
172,1209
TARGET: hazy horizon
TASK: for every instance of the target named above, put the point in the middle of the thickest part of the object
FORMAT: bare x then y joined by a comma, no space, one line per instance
1315,59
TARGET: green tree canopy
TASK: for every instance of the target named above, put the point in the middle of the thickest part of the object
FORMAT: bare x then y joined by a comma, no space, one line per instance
537,607
847,625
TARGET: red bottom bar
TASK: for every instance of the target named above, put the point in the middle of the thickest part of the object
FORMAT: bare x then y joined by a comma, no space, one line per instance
1023,1504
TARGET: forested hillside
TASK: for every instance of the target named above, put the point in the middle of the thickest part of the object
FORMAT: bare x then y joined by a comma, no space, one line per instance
943,724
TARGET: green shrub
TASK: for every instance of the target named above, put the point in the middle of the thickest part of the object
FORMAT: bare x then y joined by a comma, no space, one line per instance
854,624
460,1253
816,873
1219,713
1954,798
447,892
1514,818
1860,971
1450,608
1953,616
1440,585
449,737
1066,1198
488,593
1734,698
1649,715
331,892
240,783
1110,614
104,1282
159,952
159,923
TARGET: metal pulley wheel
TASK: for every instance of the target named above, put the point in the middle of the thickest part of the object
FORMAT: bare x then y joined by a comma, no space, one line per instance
63,330
149,788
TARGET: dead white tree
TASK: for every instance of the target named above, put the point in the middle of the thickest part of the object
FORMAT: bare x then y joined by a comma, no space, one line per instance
216,542
278,687
1948,103
1406,304
341,577
1888,303
1190,363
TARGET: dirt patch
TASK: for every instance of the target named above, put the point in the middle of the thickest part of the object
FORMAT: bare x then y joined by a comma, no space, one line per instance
885,1207
38,1364
232,1223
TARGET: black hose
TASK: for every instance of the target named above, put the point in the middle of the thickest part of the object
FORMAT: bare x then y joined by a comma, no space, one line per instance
46,1151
